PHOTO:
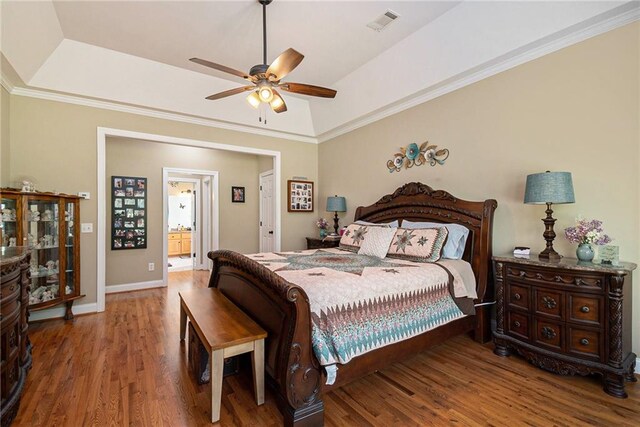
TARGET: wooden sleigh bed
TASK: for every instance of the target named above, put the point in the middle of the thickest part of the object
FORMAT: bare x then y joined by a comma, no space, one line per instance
283,310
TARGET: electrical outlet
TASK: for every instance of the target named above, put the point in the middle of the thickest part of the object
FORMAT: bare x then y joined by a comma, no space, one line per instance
86,227
152,266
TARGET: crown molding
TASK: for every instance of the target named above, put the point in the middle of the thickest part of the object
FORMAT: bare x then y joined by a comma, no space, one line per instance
6,83
149,112
600,25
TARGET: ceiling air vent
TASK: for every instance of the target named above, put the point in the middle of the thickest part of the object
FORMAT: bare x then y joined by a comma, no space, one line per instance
381,22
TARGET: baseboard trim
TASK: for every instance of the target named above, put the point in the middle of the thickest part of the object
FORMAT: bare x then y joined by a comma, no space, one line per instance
58,312
128,287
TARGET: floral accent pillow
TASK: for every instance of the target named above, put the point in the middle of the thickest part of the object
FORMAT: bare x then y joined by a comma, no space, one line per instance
353,236
421,245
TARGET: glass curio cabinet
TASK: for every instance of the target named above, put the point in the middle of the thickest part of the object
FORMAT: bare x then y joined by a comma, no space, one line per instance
48,224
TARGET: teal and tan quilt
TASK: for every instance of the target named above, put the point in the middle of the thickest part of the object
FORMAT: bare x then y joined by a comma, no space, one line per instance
360,303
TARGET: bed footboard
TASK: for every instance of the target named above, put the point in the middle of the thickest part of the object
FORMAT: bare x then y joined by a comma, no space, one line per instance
282,309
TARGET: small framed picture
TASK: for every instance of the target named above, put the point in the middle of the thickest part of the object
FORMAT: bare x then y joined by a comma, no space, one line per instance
237,194
300,196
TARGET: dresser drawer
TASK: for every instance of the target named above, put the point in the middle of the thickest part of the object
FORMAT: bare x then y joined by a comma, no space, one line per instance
584,280
518,325
518,296
9,342
549,303
587,309
9,292
10,373
548,334
585,343
174,236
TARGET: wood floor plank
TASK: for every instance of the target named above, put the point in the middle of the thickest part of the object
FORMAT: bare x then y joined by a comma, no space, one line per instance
127,367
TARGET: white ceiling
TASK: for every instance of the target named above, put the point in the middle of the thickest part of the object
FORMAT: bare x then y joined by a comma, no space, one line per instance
331,34
135,54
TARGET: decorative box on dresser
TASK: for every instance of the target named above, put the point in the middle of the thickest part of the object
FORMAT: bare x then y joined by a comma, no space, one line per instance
15,354
567,317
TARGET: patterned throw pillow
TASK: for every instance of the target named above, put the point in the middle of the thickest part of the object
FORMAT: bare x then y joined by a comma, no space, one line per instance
421,245
352,237
376,242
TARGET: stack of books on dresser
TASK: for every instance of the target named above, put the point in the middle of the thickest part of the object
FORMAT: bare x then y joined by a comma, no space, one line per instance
331,238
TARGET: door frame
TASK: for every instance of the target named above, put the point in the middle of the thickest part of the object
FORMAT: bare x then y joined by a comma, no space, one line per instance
263,174
197,229
102,134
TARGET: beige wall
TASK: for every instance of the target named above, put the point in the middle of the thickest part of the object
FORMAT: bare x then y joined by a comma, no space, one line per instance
4,138
575,110
238,221
54,145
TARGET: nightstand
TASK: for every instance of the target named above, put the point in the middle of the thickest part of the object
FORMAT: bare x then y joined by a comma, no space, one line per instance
315,243
567,317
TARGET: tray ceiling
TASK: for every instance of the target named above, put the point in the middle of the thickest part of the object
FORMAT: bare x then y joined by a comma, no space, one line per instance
136,53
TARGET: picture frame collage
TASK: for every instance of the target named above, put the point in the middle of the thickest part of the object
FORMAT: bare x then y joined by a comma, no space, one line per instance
299,196
128,212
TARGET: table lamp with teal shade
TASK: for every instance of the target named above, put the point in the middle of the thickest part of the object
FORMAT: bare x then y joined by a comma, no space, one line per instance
548,188
336,204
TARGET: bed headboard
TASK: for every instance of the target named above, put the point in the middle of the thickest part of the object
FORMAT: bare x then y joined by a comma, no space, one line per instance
419,202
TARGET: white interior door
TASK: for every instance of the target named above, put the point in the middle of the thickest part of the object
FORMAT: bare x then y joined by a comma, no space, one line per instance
267,212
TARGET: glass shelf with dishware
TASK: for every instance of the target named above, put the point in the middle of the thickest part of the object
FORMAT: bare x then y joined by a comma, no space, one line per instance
47,224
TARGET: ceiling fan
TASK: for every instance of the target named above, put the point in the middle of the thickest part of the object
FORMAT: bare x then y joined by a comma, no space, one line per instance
267,78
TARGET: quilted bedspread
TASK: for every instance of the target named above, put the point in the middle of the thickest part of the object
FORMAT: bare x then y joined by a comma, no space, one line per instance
360,303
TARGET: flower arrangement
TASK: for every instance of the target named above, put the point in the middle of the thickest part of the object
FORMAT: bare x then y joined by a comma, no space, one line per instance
322,224
587,231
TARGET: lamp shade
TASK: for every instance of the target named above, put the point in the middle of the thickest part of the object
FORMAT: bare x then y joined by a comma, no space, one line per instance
549,187
336,204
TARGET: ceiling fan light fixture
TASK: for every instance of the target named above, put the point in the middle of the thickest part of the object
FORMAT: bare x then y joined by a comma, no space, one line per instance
254,99
265,93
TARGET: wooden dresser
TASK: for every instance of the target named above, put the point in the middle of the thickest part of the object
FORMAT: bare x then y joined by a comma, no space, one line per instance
315,243
567,317
15,354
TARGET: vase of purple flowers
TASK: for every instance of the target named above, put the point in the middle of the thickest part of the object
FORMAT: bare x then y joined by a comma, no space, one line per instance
586,233
323,225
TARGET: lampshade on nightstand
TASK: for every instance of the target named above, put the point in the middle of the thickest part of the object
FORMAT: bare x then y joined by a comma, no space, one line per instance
548,188
336,204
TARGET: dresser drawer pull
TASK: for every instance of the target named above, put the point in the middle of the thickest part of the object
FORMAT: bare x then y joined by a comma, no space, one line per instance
517,296
516,324
12,287
548,333
549,302
584,309
584,341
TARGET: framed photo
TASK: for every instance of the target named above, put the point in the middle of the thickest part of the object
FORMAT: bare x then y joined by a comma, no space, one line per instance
299,196
128,212
237,194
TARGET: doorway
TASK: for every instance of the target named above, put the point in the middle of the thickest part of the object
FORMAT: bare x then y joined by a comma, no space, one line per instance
189,237
183,219
267,212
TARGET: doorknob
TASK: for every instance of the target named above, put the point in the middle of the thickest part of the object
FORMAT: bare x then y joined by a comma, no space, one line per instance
271,232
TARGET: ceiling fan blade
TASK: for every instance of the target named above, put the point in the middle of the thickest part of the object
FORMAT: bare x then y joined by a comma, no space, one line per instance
219,67
277,103
229,92
311,90
284,64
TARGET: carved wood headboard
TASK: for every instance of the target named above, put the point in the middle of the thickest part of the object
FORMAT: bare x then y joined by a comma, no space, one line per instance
419,202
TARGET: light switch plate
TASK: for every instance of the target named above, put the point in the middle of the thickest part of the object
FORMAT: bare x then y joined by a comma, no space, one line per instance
84,194
86,227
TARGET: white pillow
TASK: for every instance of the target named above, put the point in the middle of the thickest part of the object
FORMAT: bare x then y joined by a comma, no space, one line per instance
454,247
376,242
382,224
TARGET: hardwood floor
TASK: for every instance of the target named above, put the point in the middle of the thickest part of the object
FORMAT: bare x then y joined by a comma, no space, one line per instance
126,366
